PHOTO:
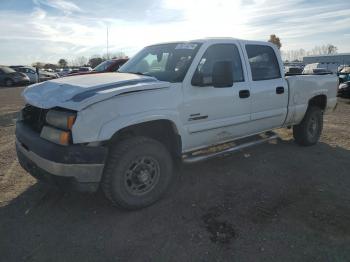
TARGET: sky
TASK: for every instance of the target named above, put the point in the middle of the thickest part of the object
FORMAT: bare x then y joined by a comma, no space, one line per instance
47,30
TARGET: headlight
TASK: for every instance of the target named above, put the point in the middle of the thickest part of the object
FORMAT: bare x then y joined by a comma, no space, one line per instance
61,119
55,135
60,124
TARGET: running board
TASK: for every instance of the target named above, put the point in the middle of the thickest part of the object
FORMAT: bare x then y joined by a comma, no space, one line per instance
229,147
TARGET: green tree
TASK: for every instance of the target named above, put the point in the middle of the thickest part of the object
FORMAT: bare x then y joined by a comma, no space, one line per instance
62,63
38,64
94,61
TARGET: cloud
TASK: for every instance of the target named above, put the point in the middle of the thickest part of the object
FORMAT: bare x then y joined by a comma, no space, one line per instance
61,5
62,28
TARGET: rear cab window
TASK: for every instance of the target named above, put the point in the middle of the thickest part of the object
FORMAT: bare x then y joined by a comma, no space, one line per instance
263,62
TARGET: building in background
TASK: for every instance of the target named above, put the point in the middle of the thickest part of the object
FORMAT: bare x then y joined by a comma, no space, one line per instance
340,59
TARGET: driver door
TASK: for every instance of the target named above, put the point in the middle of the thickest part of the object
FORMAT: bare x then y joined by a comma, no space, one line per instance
211,114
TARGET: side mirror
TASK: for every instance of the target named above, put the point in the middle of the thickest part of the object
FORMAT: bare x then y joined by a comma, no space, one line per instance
222,74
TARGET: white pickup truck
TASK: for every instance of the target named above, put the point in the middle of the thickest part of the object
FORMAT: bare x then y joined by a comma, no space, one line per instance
126,131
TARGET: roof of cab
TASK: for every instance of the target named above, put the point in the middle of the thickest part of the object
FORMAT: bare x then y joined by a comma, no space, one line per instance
216,39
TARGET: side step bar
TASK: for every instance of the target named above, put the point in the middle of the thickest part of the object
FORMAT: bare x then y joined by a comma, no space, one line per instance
201,155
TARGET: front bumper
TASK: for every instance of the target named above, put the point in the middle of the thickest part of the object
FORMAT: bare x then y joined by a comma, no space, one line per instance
76,166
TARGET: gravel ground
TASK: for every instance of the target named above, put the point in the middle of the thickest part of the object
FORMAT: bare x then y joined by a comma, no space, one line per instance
274,202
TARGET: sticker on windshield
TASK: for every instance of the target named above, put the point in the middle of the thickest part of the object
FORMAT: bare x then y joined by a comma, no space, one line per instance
186,46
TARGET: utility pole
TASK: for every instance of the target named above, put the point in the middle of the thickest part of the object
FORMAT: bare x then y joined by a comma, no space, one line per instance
107,44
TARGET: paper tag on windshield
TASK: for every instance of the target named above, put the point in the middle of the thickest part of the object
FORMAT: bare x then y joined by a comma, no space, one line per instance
186,46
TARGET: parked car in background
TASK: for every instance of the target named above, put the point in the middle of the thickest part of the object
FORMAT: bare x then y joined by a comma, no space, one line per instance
16,66
329,67
345,70
105,67
316,71
30,72
344,74
344,89
110,65
44,75
74,71
293,70
10,77
85,69
64,71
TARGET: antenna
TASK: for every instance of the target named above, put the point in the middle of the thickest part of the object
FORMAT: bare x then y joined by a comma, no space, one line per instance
107,44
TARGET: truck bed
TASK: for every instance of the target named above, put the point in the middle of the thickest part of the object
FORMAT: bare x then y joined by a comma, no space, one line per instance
304,87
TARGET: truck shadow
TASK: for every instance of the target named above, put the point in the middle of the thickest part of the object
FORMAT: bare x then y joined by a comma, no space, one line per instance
281,193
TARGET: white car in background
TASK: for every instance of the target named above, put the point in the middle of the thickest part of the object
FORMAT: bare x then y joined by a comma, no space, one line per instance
64,72
44,75
30,72
329,67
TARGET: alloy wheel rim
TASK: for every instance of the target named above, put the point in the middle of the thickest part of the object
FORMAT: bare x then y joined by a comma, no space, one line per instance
142,175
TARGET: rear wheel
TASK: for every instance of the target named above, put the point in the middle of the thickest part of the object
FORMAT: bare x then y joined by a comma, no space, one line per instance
138,172
308,132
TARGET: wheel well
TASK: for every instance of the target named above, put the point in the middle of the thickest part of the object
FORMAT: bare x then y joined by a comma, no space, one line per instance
163,131
320,101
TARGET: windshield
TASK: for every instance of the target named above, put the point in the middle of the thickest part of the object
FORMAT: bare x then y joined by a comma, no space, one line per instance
7,70
166,62
103,66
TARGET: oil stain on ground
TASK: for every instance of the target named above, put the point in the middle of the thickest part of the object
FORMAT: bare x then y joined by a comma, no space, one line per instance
220,231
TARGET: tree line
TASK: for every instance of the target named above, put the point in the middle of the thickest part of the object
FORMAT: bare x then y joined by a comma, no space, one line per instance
92,61
298,54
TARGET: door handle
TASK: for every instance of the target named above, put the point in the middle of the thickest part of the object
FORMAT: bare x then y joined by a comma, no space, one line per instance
244,93
279,90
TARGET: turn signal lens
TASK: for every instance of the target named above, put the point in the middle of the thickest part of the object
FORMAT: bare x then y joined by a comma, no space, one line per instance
70,121
64,138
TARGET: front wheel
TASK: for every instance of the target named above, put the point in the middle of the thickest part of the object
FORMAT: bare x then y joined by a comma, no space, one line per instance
138,172
308,132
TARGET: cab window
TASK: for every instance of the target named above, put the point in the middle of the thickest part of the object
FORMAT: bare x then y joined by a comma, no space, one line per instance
216,53
263,62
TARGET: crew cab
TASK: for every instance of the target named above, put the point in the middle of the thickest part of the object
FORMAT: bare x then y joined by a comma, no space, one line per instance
171,103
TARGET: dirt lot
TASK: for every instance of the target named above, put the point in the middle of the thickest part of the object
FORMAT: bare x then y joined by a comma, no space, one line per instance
275,202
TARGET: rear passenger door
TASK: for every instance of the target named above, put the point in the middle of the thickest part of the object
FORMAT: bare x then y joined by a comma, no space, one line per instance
269,89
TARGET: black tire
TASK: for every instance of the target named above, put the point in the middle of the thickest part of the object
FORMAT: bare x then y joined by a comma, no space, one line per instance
138,172
9,82
308,132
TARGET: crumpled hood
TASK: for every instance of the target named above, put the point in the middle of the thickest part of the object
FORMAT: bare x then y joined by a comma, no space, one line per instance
78,92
